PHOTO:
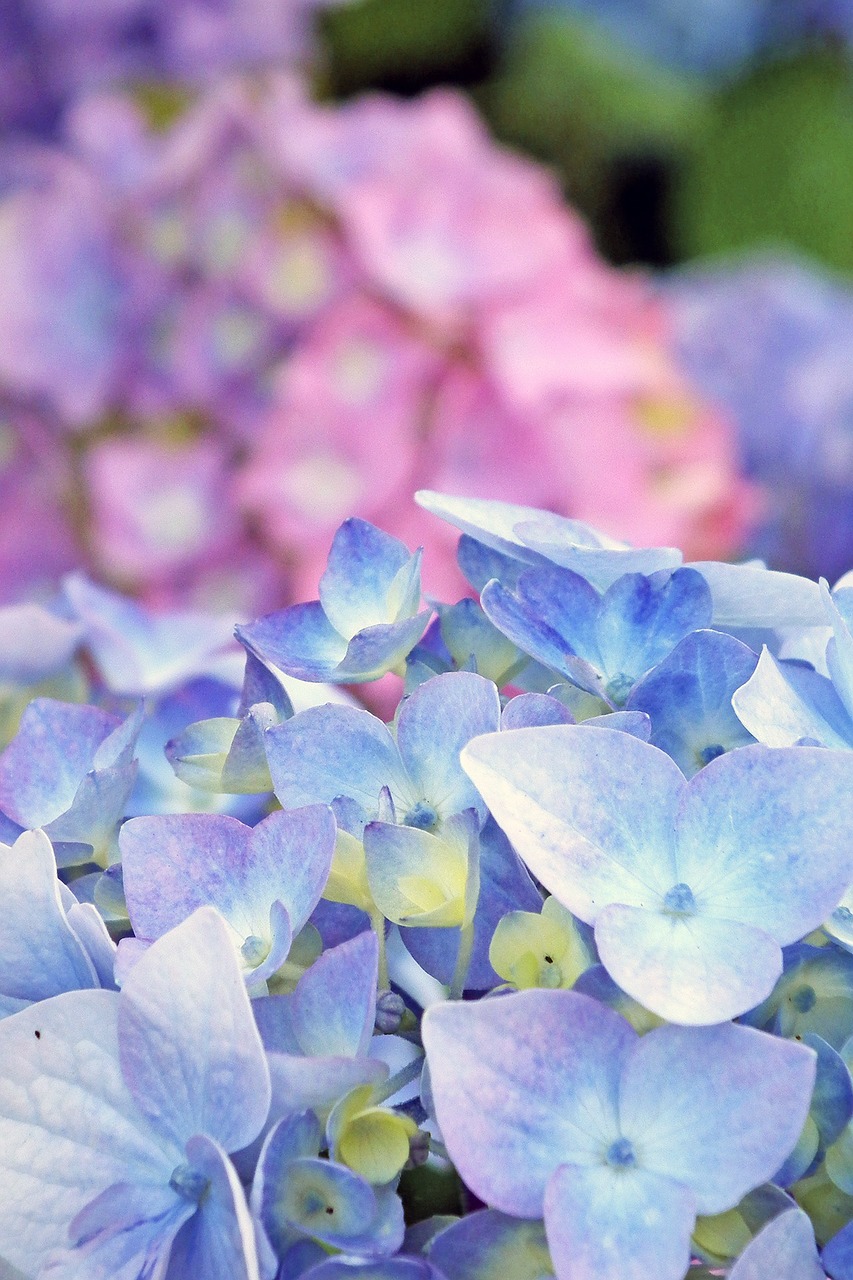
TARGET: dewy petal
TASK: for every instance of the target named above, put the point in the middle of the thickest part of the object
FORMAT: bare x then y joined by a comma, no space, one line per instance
69,1127
363,562
299,640
716,1108
523,1084
764,837
435,723
784,1247
618,1224
218,1242
693,970
590,810
190,1049
40,954
782,702
330,751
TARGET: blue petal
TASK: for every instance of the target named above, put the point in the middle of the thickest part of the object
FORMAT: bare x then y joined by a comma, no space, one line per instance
742,1097
330,751
102,1139
40,954
529,710
764,838
511,1106
190,1049
784,702
641,620
354,589
784,1247
43,766
433,726
260,685
689,698
614,1224
488,1244
590,811
333,1008
379,649
520,623
139,652
34,643
218,1242
693,970
299,640
747,595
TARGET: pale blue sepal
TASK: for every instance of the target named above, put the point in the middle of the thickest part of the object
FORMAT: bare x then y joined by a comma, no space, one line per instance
363,566
433,726
748,595
34,643
783,1250
333,1008
126,1233
839,651
66,1049
329,751
570,797
190,1050
506,1151
783,703
763,838
40,954
694,970
218,1242
300,1083
743,1097
606,1223
299,640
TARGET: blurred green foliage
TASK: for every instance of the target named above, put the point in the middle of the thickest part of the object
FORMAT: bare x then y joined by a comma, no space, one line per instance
406,45
774,164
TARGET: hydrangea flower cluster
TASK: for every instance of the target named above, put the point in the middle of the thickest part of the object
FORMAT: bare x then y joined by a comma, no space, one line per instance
52,50
769,340
550,975
220,338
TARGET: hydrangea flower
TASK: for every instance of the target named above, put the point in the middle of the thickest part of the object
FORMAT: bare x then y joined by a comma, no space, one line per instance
155,1085
693,887
363,625
265,880
70,770
590,1134
49,942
